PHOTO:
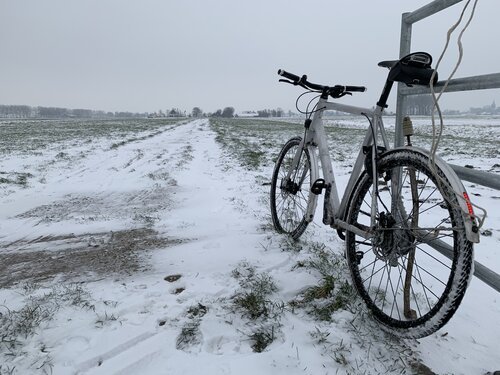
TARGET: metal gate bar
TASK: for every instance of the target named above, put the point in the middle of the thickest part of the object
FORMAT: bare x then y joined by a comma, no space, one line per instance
490,180
482,82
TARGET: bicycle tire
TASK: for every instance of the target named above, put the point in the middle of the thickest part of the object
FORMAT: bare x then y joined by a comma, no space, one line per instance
289,199
433,284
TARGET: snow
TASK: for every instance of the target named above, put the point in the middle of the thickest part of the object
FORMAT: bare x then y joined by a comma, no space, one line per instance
198,213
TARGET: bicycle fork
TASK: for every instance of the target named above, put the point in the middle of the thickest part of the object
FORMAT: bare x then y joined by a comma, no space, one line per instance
316,137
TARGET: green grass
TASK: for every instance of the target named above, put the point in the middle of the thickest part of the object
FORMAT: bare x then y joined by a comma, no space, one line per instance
254,143
262,337
39,308
190,334
15,178
255,301
26,136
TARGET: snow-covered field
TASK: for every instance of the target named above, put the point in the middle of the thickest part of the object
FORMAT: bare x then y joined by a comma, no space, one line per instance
146,247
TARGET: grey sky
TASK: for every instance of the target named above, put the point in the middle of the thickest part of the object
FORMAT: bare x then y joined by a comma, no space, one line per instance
156,54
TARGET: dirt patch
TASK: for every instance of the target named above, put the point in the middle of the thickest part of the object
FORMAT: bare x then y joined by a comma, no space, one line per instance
141,205
82,257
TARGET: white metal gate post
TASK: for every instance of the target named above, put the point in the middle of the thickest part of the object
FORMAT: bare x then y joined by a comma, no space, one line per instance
404,49
407,20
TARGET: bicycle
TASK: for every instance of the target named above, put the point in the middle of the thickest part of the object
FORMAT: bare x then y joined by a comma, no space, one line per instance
405,217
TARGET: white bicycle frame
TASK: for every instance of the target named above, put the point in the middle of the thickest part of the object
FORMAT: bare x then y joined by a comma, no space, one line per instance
334,208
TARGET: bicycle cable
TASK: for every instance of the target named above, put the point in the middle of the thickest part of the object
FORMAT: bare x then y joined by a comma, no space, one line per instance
307,112
314,109
297,101
376,156
437,138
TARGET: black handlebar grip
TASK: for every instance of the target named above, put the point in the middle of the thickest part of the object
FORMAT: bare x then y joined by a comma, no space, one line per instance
355,88
289,76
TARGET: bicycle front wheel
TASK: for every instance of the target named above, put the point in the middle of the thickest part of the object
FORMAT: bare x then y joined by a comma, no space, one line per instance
409,286
290,190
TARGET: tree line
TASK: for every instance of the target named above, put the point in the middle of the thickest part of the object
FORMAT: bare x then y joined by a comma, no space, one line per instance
230,112
174,112
278,112
25,111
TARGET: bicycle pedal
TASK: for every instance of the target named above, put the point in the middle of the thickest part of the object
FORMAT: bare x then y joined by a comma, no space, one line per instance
318,186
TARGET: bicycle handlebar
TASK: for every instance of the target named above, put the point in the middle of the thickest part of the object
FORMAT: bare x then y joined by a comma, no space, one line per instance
290,76
335,91
355,88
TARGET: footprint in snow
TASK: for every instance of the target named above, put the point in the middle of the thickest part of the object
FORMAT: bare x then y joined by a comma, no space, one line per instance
172,278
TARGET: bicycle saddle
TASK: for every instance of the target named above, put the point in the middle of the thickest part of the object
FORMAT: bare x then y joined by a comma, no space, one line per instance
388,64
412,69
416,59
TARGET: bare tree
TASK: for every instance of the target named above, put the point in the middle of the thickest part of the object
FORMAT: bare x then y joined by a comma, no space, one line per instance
228,112
197,112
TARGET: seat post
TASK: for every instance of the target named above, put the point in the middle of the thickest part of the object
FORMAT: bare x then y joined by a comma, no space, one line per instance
382,102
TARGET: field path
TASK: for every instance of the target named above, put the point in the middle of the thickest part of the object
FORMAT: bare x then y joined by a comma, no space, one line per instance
211,212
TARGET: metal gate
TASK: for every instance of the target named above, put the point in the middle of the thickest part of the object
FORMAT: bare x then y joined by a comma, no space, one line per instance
481,82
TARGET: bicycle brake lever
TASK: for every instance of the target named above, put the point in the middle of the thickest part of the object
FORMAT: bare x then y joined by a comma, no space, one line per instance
337,96
287,81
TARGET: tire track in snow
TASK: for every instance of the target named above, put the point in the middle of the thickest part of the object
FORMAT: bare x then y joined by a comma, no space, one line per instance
98,360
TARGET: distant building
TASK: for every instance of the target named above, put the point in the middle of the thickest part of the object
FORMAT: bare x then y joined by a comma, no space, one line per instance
247,114
486,110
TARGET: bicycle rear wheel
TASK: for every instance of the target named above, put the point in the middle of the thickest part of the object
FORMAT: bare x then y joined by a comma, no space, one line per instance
290,196
410,287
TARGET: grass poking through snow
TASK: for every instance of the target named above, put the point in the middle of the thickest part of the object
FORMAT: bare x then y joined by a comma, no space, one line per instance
255,302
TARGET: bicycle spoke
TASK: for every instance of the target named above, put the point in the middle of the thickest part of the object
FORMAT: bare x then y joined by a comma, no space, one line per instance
415,299
419,279
430,274
425,289
371,278
373,274
394,301
427,209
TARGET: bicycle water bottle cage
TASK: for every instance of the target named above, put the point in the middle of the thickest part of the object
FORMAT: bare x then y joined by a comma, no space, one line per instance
413,69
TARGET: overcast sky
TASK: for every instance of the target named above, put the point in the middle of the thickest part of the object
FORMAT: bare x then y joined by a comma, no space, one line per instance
146,55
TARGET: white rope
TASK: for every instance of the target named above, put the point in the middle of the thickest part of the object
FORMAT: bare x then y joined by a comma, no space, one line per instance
437,138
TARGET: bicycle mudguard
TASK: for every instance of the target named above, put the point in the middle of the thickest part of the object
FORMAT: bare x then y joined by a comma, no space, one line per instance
471,227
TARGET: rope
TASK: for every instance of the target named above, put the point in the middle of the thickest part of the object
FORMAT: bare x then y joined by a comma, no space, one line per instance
437,138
